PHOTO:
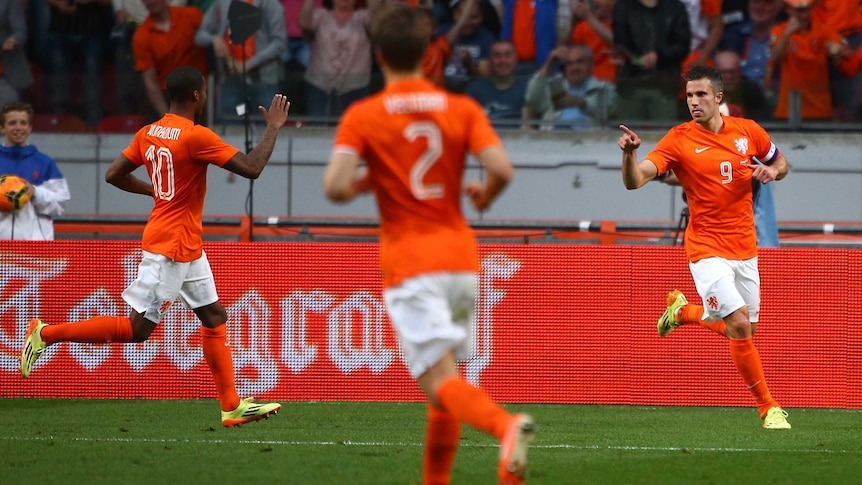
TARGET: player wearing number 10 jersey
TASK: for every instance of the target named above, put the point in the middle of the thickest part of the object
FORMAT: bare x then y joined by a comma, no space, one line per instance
414,138
176,153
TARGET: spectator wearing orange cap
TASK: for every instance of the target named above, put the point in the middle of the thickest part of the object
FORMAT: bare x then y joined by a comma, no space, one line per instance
803,50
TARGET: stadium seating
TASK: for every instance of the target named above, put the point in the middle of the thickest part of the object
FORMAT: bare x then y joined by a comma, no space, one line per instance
120,123
58,123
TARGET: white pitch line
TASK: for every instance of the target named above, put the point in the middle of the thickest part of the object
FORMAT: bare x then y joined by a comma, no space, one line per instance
564,446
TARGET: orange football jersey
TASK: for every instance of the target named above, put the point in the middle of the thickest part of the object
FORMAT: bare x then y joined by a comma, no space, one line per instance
715,172
805,68
415,138
176,153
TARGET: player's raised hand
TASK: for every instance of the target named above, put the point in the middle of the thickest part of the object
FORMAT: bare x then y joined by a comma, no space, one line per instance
629,141
277,114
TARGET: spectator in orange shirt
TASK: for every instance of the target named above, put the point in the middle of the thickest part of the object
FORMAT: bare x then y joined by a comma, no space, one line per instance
593,29
852,65
531,25
128,16
164,42
844,17
803,50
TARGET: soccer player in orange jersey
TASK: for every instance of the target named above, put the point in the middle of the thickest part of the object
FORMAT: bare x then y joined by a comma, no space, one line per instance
715,158
414,138
176,154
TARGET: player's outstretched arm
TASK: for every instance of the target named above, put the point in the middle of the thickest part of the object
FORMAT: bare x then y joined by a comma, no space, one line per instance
119,174
498,174
251,165
634,175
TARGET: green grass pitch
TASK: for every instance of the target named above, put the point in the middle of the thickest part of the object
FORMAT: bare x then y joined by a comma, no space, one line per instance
62,441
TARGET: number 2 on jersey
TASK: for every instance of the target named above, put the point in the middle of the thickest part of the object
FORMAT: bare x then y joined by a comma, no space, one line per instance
162,161
431,132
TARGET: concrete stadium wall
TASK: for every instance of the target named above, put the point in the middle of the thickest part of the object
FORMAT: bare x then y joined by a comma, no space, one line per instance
560,176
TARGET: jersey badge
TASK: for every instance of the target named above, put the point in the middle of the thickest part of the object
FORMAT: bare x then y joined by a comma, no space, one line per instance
712,301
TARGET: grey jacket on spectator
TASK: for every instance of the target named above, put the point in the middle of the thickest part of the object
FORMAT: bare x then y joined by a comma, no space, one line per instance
16,68
270,40
599,98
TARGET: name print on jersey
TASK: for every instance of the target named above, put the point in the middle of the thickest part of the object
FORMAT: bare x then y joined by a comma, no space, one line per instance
406,103
164,132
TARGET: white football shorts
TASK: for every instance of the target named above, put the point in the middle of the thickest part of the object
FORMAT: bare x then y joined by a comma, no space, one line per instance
726,285
433,315
161,281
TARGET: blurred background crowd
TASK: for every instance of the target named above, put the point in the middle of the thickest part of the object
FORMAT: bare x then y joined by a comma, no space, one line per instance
532,64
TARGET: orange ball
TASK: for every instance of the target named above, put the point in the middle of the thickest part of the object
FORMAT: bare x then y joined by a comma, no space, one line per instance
13,192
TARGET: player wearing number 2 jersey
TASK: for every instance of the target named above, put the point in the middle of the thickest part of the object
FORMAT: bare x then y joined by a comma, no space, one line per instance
716,158
176,153
414,138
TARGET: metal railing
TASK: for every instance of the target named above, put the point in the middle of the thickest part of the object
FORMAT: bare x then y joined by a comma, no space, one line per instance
240,228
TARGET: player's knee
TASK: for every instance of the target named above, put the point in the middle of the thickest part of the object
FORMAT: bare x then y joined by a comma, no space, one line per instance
141,331
212,315
737,322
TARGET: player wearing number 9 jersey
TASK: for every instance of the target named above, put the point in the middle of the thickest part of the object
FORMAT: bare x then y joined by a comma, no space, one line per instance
176,153
414,139
716,171
716,158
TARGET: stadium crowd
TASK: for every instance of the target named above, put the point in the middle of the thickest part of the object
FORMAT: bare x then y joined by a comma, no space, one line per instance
547,64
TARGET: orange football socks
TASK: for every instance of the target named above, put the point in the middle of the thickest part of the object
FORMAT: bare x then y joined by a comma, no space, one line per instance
97,330
441,443
692,313
746,358
219,359
471,405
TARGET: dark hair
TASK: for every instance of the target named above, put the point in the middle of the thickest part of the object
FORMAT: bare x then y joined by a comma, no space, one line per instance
706,72
182,82
401,33
16,106
428,12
